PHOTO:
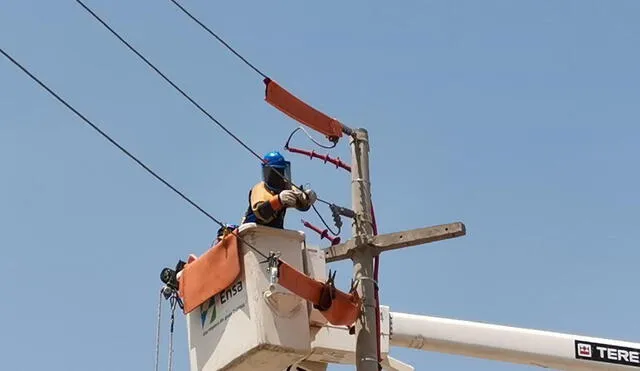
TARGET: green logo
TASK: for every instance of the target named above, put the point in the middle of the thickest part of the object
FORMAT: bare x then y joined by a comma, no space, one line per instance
208,308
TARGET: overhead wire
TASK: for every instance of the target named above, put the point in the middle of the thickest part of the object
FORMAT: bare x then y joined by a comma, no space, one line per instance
120,147
187,96
251,65
258,71
375,229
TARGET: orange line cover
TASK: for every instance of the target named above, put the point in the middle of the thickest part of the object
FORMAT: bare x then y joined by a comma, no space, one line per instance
211,273
344,308
300,111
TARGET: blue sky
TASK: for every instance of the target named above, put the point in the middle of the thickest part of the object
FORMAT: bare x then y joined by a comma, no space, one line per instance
518,118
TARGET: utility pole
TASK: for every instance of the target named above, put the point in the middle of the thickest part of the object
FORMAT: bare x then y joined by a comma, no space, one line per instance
366,338
363,246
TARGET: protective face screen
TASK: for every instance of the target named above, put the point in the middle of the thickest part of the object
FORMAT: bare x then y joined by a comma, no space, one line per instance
273,179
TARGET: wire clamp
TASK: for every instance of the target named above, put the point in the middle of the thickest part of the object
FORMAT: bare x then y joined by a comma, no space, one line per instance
272,267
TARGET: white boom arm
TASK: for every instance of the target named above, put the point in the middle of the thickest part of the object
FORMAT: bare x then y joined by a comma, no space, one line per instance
510,344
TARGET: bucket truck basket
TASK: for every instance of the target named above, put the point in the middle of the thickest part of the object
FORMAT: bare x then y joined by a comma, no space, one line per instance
239,319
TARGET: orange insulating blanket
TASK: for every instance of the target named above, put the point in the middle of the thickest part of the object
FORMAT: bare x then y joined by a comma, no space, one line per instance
300,111
343,309
211,273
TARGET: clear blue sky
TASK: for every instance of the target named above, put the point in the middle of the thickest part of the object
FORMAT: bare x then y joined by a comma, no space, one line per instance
518,118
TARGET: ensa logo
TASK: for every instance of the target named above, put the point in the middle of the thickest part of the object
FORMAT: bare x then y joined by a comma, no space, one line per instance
208,309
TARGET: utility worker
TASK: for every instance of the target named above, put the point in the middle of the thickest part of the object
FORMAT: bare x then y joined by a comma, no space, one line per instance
270,198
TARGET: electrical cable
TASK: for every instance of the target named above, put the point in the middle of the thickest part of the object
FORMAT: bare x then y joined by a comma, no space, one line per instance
325,223
222,126
375,231
187,96
309,136
121,148
185,11
253,67
167,79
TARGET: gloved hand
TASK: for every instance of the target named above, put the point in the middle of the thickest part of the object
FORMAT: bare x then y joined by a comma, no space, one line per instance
288,198
311,196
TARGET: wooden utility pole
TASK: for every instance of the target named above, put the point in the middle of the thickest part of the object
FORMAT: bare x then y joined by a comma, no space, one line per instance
363,246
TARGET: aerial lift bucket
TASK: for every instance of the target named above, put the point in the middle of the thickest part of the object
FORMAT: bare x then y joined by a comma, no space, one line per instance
267,314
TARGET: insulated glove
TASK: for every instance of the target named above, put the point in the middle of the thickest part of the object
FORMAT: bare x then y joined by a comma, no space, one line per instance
288,198
311,196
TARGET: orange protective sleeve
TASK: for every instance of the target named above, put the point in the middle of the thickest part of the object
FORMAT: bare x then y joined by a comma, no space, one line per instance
275,202
345,308
300,111
209,274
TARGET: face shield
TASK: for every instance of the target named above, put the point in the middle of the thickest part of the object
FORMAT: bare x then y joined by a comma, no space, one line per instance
274,180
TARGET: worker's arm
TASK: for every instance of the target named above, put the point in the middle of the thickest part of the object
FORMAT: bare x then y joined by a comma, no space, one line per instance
265,205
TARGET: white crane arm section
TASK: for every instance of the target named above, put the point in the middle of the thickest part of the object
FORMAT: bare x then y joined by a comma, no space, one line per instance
511,344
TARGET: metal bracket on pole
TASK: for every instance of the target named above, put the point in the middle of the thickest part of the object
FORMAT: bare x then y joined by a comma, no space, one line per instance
398,240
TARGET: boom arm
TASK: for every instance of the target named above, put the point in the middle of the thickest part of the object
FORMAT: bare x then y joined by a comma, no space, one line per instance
510,344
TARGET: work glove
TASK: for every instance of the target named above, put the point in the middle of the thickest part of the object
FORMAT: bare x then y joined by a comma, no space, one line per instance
288,198
311,196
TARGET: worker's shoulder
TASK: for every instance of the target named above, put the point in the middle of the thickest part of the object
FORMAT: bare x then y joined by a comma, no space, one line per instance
261,191
260,186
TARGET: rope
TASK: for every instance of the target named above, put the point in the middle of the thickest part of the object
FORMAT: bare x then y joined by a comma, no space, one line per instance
173,313
159,312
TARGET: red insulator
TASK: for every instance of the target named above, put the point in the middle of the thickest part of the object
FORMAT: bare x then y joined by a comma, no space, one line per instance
322,233
326,158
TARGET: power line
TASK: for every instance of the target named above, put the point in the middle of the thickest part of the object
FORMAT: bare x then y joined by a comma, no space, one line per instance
185,11
115,143
167,79
219,39
184,93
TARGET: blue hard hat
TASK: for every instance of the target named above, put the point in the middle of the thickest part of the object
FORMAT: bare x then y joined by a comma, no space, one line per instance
274,159
273,179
